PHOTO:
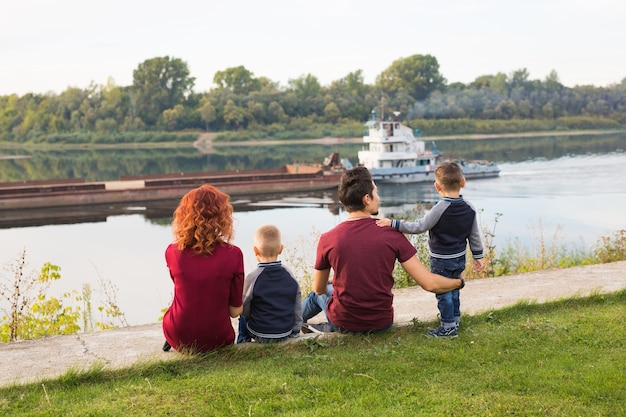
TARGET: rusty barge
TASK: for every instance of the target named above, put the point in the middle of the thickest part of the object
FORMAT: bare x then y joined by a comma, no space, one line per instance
135,189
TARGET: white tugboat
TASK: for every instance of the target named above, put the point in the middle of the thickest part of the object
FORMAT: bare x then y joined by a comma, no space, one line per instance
396,155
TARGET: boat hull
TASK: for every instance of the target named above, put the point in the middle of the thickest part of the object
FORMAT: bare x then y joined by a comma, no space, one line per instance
407,175
154,188
401,175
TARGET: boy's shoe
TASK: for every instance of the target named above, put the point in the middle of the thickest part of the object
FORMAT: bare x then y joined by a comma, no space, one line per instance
443,332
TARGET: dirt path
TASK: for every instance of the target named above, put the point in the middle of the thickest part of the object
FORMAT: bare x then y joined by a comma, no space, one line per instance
34,360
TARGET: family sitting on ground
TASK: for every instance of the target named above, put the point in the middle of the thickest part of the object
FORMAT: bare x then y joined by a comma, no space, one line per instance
210,288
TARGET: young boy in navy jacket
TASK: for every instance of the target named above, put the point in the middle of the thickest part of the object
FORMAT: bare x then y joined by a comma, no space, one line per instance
272,302
451,223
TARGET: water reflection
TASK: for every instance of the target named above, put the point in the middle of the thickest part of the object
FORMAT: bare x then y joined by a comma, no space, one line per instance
111,164
160,212
582,196
396,200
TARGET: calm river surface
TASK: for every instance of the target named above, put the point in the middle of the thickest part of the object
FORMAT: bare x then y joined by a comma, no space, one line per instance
581,192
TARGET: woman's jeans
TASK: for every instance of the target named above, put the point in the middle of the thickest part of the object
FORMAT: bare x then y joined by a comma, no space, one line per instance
449,303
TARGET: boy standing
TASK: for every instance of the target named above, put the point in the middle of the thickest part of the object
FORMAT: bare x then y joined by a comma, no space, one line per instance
272,310
451,223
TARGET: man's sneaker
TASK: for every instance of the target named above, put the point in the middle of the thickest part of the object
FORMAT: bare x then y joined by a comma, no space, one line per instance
307,328
443,332
316,328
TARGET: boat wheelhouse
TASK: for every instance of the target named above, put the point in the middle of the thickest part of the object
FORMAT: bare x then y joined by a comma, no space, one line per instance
396,154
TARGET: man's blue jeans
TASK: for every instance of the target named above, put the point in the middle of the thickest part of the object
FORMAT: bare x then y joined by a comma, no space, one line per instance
314,304
449,303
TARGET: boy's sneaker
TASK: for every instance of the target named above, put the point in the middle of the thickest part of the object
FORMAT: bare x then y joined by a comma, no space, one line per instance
443,332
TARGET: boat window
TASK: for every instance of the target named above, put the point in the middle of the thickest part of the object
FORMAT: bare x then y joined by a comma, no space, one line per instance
389,128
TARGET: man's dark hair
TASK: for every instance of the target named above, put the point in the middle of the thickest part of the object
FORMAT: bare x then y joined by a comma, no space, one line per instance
355,184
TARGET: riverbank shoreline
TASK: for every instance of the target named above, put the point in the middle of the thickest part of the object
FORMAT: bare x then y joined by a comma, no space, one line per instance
32,361
205,141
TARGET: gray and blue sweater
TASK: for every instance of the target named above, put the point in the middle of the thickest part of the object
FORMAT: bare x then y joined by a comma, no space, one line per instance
451,223
272,302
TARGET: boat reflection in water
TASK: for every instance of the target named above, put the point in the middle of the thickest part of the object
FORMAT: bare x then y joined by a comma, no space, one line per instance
396,200
399,200
160,212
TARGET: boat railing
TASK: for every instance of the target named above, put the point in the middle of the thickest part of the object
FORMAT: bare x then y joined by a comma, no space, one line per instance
230,179
49,189
200,174
42,182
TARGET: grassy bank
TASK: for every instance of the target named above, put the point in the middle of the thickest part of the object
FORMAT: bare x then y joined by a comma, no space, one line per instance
558,359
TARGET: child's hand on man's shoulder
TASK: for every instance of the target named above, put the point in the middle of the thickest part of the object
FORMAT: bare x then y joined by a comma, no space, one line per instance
383,222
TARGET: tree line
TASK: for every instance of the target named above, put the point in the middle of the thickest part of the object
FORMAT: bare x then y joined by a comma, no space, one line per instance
162,99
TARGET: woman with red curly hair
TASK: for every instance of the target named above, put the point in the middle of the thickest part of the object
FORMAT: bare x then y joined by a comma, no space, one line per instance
207,271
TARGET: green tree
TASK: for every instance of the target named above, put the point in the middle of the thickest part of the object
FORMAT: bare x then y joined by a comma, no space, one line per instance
331,112
237,79
160,84
496,82
348,94
256,112
275,113
307,91
207,112
113,106
354,82
172,117
552,82
418,75
233,114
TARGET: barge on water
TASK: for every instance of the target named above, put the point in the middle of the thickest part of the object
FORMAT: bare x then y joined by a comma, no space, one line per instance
134,189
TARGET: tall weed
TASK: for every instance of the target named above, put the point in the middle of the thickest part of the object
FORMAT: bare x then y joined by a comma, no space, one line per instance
611,248
29,312
299,257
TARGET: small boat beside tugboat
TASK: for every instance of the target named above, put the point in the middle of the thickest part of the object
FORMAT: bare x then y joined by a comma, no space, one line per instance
396,154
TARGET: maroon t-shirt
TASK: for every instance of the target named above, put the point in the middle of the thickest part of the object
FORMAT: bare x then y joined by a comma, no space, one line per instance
204,287
362,256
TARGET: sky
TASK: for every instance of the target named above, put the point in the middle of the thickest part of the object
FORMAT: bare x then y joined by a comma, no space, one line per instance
47,46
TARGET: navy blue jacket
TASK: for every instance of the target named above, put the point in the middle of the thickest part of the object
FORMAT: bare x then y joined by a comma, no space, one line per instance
272,302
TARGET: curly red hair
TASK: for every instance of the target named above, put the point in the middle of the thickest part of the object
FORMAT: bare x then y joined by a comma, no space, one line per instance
203,219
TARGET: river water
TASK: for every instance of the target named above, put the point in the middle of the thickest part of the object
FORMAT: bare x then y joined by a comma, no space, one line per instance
579,191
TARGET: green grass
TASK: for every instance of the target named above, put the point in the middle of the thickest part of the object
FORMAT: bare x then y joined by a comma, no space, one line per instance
565,358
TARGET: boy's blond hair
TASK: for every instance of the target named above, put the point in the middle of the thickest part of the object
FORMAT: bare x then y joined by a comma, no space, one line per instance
449,176
267,241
